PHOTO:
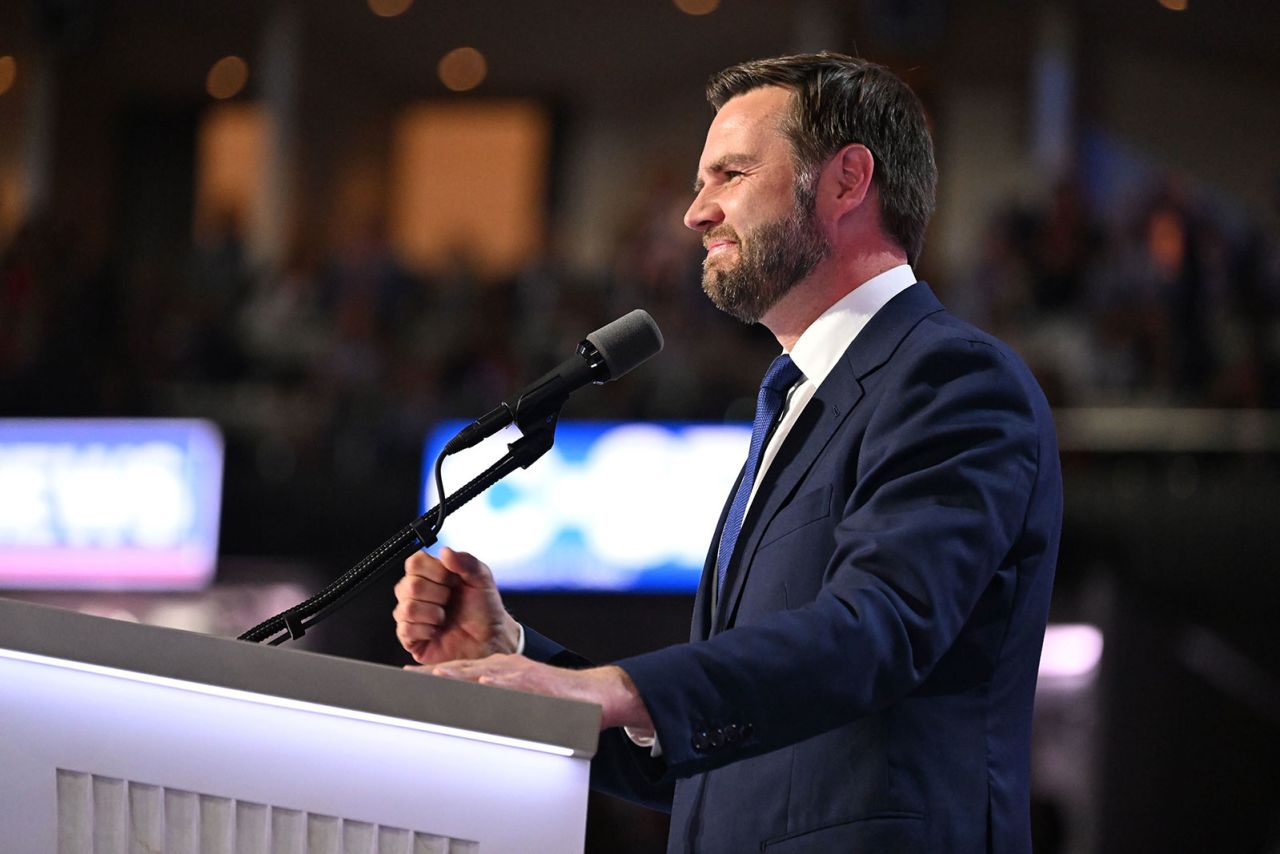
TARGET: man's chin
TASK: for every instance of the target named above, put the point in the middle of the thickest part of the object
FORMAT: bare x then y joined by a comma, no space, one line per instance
742,310
716,266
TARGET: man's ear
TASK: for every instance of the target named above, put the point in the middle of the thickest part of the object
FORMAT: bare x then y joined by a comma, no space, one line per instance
850,172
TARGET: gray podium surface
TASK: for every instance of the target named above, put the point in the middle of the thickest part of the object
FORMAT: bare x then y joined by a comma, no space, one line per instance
297,675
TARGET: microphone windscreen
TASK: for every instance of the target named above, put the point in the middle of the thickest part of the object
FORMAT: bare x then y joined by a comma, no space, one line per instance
627,341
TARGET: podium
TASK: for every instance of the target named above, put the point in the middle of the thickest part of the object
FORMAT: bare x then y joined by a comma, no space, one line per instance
119,737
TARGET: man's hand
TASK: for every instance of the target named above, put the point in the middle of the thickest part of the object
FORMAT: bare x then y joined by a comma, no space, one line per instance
608,687
448,608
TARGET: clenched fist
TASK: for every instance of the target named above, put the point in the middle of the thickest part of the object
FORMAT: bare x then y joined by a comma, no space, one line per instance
448,608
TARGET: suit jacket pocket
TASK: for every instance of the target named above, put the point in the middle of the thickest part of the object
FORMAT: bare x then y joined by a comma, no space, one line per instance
810,507
896,832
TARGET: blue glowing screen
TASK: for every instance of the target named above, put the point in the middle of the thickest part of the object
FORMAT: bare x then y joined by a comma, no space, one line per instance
613,506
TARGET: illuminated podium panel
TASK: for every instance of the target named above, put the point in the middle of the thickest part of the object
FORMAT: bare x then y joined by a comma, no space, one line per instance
122,737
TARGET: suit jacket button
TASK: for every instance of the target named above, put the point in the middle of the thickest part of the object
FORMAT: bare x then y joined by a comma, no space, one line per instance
717,737
701,739
732,734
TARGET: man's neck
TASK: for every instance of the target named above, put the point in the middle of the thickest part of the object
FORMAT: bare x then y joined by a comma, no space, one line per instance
830,282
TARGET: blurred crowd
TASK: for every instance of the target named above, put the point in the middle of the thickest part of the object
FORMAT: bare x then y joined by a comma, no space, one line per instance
1169,304
344,358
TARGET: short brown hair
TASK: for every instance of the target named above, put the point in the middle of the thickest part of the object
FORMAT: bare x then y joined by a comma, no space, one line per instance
842,100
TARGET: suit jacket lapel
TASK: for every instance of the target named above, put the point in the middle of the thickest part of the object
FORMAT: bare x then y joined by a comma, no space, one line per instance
702,604
839,393
810,434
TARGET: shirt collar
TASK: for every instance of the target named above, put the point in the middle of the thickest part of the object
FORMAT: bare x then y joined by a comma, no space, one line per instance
821,345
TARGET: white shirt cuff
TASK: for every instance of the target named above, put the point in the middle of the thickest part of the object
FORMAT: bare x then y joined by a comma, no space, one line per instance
644,738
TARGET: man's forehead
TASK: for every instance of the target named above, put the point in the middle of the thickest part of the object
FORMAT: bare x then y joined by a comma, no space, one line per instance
758,110
747,123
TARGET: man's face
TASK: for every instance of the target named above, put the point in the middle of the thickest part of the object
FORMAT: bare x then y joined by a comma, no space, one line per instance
761,238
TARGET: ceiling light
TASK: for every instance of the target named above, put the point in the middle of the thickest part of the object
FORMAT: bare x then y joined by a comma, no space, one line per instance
697,7
227,77
462,69
389,8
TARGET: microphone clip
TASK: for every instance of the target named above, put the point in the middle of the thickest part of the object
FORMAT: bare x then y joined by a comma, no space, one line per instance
541,401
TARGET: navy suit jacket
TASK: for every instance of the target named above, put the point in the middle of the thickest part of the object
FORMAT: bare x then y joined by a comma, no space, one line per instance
866,682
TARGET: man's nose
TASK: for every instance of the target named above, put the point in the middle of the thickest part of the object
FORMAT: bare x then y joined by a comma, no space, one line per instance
703,213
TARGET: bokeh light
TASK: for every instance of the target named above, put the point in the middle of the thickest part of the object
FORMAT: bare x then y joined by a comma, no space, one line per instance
697,7
462,69
8,73
389,8
227,77
1174,5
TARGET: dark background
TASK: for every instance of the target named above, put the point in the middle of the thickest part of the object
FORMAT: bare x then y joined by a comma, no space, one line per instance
1109,202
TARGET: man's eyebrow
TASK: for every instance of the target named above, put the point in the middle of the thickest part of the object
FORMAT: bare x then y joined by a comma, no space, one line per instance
721,165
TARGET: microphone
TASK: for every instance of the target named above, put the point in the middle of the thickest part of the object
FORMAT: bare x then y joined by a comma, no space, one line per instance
606,354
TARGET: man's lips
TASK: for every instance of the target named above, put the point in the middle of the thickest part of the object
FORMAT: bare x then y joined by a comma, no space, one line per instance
714,247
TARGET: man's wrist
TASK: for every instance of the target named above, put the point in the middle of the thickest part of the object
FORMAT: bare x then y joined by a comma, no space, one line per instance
621,701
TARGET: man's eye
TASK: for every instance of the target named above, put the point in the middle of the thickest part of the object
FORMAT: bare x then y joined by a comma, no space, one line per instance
730,174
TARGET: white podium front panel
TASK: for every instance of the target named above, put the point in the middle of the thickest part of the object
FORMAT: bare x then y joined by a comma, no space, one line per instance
104,751
103,814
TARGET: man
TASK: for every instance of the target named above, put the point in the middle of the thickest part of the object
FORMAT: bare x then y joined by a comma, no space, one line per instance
866,636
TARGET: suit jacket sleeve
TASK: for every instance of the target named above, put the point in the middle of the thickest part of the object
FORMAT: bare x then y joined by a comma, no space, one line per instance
619,767
941,472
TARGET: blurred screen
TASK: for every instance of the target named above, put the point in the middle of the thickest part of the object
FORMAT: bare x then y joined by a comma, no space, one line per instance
622,507
108,504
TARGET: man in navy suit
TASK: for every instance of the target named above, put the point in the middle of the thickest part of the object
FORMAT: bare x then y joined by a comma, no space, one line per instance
866,637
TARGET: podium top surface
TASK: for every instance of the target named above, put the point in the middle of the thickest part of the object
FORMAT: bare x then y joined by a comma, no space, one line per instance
298,676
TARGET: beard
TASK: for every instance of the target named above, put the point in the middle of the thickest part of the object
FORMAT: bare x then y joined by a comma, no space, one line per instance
771,260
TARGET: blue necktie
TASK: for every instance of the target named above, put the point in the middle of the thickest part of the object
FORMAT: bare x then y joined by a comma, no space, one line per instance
781,376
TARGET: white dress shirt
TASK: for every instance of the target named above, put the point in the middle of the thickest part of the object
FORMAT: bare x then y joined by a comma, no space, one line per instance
821,345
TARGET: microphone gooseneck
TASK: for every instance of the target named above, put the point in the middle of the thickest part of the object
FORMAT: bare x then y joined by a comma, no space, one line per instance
606,354
610,352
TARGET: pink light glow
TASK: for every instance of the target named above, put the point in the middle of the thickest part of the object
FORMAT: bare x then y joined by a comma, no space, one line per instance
177,568
1071,650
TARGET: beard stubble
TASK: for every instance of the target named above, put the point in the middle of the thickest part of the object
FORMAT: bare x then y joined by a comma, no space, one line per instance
772,258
